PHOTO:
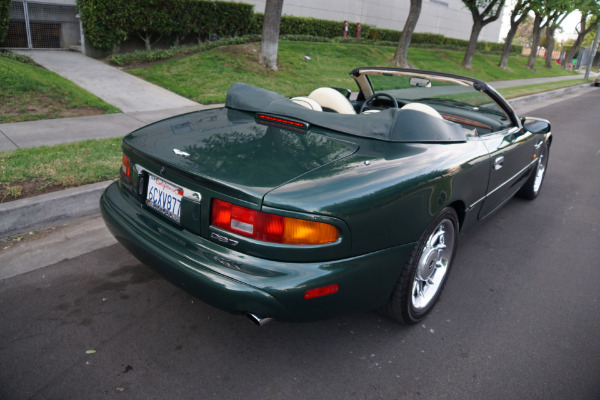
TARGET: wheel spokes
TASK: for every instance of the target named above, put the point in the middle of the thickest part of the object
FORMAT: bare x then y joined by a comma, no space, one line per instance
433,265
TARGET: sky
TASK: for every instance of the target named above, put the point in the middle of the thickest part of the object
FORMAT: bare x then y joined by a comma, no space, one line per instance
568,25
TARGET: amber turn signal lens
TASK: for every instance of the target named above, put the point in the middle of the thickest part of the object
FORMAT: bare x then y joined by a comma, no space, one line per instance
298,231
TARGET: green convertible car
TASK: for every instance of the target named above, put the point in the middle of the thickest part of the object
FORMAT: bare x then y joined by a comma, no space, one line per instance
302,208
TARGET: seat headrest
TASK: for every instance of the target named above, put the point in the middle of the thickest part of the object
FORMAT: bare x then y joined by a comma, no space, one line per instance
423,108
307,102
332,99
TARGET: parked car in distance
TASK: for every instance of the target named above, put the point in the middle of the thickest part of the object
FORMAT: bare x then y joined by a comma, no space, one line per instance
303,208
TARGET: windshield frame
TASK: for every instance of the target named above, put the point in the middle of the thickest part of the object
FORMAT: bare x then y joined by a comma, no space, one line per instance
361,76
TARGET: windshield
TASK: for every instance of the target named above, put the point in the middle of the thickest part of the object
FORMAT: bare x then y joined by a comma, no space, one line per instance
455,99
448,94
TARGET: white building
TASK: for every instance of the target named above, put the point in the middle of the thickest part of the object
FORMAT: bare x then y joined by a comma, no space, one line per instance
450,18
42,24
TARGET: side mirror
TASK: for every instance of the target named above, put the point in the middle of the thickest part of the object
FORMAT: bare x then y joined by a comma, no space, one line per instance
419,82
536,125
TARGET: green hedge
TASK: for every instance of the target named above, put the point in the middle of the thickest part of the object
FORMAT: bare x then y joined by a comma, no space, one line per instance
432,40
322,28
108,23
319,28
4,18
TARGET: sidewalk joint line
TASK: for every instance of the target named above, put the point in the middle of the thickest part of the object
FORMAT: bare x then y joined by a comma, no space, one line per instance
136,119
9,139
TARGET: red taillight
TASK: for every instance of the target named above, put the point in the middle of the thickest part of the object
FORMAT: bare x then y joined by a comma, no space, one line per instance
322,291
126,166
270,227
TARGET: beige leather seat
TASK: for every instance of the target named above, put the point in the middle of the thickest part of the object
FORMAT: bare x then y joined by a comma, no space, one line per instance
307,102
332,99
423,108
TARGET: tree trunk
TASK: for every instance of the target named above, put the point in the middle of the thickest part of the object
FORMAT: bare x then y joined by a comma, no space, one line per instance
577,45
475,31
535,42
549,46
401,56
507,44
270,34
573,52
147,38
517,16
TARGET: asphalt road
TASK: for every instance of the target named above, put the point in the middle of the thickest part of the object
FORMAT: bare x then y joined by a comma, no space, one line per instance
519,317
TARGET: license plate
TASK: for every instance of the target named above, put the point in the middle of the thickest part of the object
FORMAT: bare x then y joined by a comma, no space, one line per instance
164,197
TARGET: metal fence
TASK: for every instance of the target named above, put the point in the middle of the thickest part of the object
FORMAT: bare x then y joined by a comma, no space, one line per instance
35,25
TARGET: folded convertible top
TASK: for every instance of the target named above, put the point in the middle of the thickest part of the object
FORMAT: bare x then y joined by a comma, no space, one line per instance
391,125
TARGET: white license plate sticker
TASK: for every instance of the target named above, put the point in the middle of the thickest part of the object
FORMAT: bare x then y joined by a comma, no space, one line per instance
164,198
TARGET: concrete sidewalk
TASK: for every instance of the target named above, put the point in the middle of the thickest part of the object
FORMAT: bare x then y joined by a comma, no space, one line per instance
118,88
141,102
54,131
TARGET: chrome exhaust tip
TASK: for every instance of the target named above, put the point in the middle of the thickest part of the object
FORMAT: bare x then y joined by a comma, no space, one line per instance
260,321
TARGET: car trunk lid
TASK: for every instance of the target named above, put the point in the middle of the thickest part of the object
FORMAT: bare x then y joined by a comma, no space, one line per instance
233,151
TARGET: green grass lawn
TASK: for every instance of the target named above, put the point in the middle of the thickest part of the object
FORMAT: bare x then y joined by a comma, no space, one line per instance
28,172
29,93
518,91
205,77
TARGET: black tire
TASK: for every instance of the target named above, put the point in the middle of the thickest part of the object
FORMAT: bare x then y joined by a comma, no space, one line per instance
531,188
412,298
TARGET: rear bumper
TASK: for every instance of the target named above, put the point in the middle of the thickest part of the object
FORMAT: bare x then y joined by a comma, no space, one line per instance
240,283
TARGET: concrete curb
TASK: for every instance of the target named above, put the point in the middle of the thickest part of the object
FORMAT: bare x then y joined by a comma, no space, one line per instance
49,209
520,101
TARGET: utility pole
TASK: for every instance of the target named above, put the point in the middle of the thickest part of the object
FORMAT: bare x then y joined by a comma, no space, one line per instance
594,49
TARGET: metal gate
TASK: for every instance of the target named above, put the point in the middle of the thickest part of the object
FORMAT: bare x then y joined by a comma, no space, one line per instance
35,25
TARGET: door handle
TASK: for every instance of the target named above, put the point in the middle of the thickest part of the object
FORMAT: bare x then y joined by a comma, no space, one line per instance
498,162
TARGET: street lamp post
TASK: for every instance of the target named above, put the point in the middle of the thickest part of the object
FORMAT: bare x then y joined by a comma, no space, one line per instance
594,49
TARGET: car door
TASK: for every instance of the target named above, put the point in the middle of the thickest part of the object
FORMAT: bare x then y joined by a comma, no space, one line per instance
512,155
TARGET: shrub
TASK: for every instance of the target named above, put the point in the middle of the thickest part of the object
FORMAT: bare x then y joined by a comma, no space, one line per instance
105,22
17,57
142,57
379,34
4,18
301,26
108,23
430,39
